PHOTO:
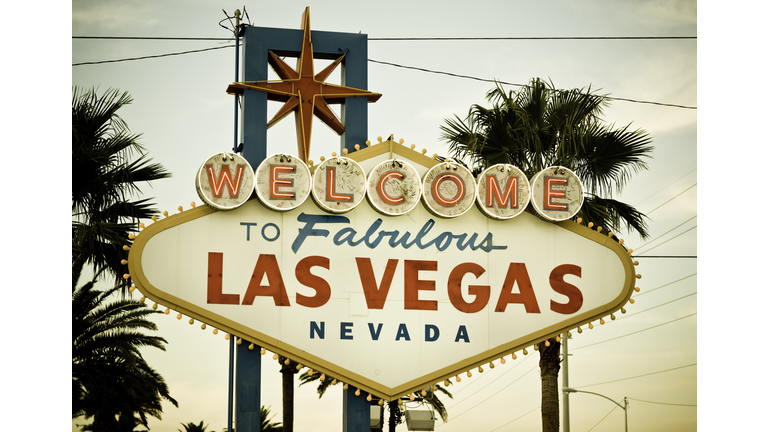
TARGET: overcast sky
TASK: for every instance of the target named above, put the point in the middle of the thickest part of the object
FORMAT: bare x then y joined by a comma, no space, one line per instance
180,106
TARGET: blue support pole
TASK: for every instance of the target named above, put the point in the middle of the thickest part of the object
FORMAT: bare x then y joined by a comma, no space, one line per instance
248,376
248,389
357,412
231,391
257,42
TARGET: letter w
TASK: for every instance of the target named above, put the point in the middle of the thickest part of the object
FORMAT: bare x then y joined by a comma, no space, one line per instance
225,175
375,295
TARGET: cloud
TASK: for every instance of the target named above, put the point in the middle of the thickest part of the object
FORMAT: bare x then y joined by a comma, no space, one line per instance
670,13
89,16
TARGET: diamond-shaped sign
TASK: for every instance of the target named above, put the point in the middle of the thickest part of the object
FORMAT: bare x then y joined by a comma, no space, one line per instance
389,304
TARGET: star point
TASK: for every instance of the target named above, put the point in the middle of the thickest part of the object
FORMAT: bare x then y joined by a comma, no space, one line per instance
303,92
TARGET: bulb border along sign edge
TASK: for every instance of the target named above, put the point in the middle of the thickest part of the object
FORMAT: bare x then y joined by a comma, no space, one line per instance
306,359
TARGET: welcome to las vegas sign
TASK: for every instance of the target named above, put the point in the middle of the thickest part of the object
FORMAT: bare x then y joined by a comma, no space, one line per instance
382,269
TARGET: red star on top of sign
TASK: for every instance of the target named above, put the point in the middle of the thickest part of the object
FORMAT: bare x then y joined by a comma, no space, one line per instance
303,92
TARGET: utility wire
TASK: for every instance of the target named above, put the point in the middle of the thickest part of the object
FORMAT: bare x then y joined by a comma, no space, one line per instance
662,235
667,284
150,38
154,56
601,420
512,421
389,64
665,187
672,198
667,256
480,377
629,334
693,227
423,38
499,391
654,307
661,403
637,376
518,85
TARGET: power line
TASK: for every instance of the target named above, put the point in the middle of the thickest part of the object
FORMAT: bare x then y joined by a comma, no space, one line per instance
654,307
150,38
665,187
478,379
419,38
639,331
662,403
606,416
518,85
512,421
667,284
154,56
388,64
500,390
667,256
637,376
662,235
693,227
672,199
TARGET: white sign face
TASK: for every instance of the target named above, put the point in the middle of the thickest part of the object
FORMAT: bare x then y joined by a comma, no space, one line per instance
224,181
356,295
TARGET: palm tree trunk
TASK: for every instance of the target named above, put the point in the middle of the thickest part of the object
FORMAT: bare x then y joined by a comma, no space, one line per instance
549,363
393,410
287,371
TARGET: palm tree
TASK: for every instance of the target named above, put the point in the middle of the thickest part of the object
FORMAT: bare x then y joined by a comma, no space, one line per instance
287,370
191,427
103,180
395,410
111,381
266,421
540,126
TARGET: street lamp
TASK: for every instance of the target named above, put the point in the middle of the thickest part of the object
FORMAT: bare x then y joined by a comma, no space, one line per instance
626,403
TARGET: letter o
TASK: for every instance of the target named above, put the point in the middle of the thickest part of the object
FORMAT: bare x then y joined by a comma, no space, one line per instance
277,233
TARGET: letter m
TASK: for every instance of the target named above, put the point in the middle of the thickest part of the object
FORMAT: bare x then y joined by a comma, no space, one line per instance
225,176
494,194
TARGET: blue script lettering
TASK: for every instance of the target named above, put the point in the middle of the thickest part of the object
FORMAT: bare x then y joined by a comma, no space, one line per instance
372,239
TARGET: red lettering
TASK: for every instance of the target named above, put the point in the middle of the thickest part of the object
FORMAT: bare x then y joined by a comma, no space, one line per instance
436,192
517,273
306,278
575,297
481,292
266,265
215,271
225,175
383,194
375,295
330,187
412,285
495,193
275,182
550,194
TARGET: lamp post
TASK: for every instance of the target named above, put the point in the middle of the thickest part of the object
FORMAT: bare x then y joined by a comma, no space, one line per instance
626,403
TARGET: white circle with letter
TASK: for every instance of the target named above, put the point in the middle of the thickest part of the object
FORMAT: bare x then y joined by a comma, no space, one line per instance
283,182
394,187
557,194
338,184
225,181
